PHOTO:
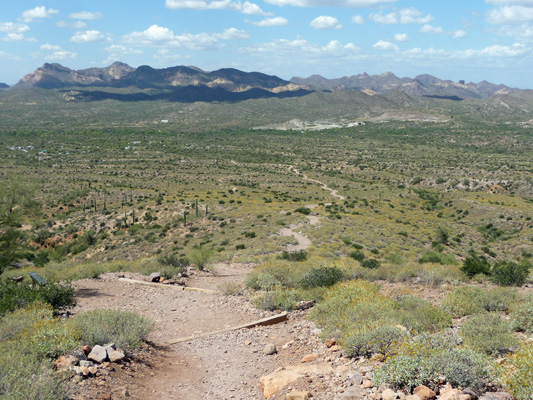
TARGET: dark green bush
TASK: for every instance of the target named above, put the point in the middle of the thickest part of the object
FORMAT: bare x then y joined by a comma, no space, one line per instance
474,265
177,264
16,295
508,273
300,255
303,210
323,276
357,255
370,263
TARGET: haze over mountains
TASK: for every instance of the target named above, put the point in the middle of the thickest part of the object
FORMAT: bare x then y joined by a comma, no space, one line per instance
119,81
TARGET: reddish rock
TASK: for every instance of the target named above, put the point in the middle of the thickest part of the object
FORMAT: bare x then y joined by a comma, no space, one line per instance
424,393
309,358
86,349
331,342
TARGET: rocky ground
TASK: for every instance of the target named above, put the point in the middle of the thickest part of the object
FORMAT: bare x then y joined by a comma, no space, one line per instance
287,360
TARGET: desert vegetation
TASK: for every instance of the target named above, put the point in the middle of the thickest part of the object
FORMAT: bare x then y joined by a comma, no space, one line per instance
444,207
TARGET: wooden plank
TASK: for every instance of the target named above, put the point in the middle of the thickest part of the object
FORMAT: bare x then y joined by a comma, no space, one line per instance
275,319
177,287
37,278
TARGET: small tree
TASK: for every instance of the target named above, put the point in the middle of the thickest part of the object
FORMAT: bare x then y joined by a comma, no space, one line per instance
199,256
474,265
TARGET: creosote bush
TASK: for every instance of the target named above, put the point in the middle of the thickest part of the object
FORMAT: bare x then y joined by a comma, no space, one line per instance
522,316
126,329
488,334
467,300
474,265
322,276
508,273
382,340
300,255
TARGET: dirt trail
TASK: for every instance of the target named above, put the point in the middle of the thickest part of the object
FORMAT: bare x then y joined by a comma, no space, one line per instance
334,192
223,366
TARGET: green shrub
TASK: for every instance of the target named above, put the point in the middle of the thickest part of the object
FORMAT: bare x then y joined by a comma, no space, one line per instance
436,257
508,273
199,257
303,210
424,360
322,276
300,255
474,265
522,317
279,300
517,373
467,300
17,295
357,255
125,329
177,265
382,340
370,263
419,315
488,333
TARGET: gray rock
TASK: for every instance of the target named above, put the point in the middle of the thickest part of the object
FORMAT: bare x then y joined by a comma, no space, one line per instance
110,347
116,356
496,396
356,379
389,394
270,349
86,363
353,393
383,387
98,354
155,277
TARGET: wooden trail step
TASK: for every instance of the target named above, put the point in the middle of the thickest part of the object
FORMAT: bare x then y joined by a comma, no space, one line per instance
275,319
175,287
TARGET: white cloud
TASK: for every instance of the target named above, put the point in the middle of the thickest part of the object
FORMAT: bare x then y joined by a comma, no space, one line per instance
284,48
159,36
433,30
245,8
385,46
119,49
401,37
85,15
511,2
510,15
516,49
274,21
72,25
252,9
38,12
325,22
458,34
89,36
357,19
10,27
49,47
61,55
330,3
409,15
233,34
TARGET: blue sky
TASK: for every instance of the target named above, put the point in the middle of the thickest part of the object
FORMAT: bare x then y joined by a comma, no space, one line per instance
472,40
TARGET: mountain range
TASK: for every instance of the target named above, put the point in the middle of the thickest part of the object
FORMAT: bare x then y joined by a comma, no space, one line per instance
121,82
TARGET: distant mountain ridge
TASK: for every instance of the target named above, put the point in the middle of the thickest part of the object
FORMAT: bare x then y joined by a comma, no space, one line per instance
421,85
121,82
4,86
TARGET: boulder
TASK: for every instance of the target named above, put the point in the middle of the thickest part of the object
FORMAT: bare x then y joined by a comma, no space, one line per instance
116,356
367,383
273,383
86,349
424,392
270,349
496,396
389,394
353,393
155,277
309,358
299,395
98,354
452,394
331,342
65,362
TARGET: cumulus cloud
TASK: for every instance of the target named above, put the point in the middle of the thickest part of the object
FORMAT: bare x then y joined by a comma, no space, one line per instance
89,36
245,8
49,47
511,2
385,46
158,36
331,3
357,19
511,14
401,37
325,22
85,15
233,34
409,15
61,55
284,47
458,34
433,30
72,25
38,12
274,21
11,27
